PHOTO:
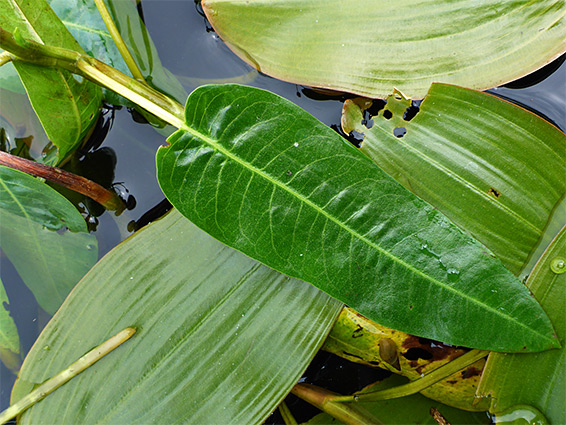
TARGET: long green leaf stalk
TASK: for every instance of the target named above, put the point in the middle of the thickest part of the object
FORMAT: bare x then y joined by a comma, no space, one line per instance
98,72
66,375
115,34
420,384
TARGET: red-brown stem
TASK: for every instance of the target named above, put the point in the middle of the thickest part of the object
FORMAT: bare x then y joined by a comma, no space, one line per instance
106,198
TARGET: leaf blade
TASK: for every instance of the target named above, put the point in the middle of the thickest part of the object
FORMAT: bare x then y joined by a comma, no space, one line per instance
268,179
406,45
32,215
205,315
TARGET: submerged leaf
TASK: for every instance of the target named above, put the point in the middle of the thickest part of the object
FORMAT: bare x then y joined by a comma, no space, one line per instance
83,20
67,106
536,379
50,259
369,47
494,169
9,338
220,338
263,176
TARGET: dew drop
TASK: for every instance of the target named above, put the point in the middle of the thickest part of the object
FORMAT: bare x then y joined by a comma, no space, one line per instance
90,247
296,144
356,398
558,265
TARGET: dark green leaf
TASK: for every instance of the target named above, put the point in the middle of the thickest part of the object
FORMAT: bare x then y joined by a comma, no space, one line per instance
370,47
67,106
220,338
265,177
493,168
49,259
536,379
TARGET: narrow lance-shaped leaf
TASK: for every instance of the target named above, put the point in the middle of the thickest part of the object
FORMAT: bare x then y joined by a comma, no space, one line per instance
220,338
265,177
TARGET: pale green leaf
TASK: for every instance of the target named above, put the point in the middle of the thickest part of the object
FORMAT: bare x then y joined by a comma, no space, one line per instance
370,47
220,338
9,338
50,259
536,379
494,169
263,176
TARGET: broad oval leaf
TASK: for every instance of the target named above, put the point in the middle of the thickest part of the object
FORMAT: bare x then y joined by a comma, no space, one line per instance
536,379
494,169
49,259
220,338
67,106
263,176
370,47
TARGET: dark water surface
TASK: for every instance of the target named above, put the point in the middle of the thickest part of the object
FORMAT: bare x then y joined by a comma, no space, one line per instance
197,56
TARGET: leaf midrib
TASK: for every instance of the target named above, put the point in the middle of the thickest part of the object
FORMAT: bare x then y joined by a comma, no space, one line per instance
218,147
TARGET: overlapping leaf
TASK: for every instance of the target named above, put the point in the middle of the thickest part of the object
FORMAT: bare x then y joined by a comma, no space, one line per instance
265,177
493,168
83,20
370,47
220,338
67,107
50,259
536,379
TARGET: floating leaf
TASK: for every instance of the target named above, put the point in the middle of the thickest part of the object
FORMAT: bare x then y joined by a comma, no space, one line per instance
67,106
263,176
221,339
494,169
9,338
370,47
49,259
536,379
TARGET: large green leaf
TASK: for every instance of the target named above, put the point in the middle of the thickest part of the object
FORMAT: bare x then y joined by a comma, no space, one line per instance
9,338
49,259
66,106
83,20
371,46
221,339
265,177
536,379
493,168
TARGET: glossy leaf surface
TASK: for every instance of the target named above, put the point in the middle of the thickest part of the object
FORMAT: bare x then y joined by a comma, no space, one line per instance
66,106
83,20
414,409
50,259
9,338
369,47
536,379
265,177
494,169
220,338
